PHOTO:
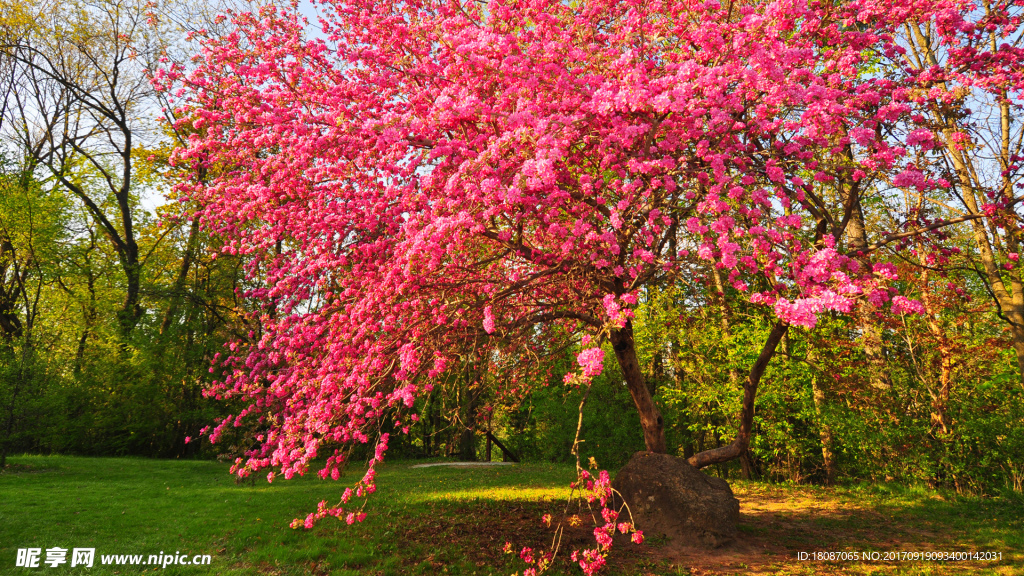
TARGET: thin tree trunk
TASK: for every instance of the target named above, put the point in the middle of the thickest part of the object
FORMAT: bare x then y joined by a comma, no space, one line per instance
89,316
871,334
824,430
506,454
940,398
742,441
467,439
178,291
650,417
487,455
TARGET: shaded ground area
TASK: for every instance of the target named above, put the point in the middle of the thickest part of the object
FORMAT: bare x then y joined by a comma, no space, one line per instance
462,464
778,523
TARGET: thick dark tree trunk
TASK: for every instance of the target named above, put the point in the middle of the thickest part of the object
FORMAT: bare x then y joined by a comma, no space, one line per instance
742,441
650,417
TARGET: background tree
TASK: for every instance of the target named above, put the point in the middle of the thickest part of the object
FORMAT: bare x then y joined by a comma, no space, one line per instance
31,224
132,309
79,98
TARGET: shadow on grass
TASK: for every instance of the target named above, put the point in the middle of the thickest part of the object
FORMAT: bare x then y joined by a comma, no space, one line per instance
778,523
475,533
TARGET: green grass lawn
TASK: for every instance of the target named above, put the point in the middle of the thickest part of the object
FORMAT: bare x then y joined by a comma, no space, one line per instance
445,520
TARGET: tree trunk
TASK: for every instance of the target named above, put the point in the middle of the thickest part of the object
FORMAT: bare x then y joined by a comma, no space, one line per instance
940,398
467,439
746,466
824,432
650,417
747,470
178,292
89,317
506,454
742,441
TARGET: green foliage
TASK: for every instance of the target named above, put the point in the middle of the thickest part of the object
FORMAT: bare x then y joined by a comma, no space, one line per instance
69,381
610,422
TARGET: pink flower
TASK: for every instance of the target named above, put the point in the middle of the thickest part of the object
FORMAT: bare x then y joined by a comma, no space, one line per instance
592,361
910,178
862,136
903,305
488,320
885,270
591,561
921,137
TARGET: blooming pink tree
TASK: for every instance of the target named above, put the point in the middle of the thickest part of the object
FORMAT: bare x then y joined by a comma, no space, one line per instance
427,180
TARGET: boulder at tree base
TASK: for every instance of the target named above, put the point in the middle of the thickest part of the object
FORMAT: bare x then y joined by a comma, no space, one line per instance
667,496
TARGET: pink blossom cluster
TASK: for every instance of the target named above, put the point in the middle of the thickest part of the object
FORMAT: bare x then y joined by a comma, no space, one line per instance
592,361
599,490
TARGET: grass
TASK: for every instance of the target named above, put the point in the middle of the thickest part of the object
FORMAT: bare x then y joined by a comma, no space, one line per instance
444,520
